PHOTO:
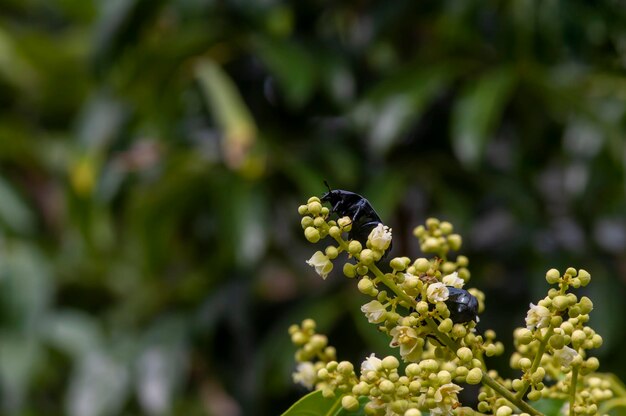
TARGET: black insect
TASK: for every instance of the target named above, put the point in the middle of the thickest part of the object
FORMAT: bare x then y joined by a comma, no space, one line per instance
360,211
463,306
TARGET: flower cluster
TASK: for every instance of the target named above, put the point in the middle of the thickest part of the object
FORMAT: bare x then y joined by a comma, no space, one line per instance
423,307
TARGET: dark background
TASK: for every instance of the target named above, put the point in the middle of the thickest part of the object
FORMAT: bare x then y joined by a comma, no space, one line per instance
153,155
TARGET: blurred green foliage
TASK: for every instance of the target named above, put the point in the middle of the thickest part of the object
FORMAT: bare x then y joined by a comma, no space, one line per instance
153,154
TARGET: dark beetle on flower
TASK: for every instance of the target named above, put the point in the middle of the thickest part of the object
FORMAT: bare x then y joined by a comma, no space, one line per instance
360,211
463,306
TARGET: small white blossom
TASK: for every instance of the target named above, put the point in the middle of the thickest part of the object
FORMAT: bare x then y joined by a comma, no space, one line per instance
322,264
538,317
374,311
305,374
380,237
409,342
565,355
446,399
371,363
437,292
453,280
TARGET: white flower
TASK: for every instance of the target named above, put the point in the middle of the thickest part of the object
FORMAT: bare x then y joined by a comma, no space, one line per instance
437,292
409,342
538,317
453,280
371,363
374,311
446,399
380,237
322,264
305,374
565,356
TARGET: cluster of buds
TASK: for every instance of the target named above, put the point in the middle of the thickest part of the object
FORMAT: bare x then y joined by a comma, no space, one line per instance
423,308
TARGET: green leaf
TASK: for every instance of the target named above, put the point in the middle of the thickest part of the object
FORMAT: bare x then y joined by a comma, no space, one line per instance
477,113
314,404
549,407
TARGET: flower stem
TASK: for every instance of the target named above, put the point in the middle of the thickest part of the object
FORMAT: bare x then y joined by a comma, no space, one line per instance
542,348
572,390
504,392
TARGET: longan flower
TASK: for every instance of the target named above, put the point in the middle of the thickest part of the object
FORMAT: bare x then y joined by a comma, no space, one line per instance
538,317
305,374
380,237
446,399
321,263
453,280
371,363
565,356
374,311
409,342
437,292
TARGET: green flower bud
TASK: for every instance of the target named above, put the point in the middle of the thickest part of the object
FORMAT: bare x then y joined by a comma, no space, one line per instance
430,244
314,207
455,241
319,222
386,386
447,267
299,338
474,376
345,367
308,325
365,285
390,363
413,412
574,311
504,411
458,331
557,341
444,377
592,363
524,336
345,223
306,222
517,384
323,374
350,403
419,231
429,365
553,276
303,210
446,325
334,232
312,235
361,270
398,264
556,321
464,354
354,247
534,395
560,303
585,305
445,227
332,252
464,273
422,307
524,363
483,407
584,277
367,256
349,270
432,223
571,271
422,265
597,341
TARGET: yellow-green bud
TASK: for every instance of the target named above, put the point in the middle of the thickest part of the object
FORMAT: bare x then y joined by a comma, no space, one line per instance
386,386
483,407
459,331
455,241
354,247
390,362
332,252
504,411
448,267
538,375
432,223
334,232
534,395
303,210
413,412
361,270
446,227
584,277
319,222
474,376
560,303
365,285
345,367
524,336
350,403
571,271
328,392
367,256
462,261
422,307
312,235
464,273
314,207
318,341
446,325
345,223
322,374
556,321
349,270
517,384
597,341
524,363
430,244
313,199
553,276
586,305
444,377
464,354
299,338
397,264
429,365
557,341
306,222
422,265
592,363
